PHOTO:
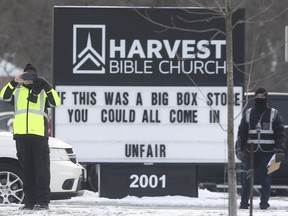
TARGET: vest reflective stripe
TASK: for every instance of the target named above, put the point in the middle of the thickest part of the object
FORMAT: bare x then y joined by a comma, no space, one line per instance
31,111
255,141
273,114
55,96
248,112
261,131
23,111
10,85
4,89
42,100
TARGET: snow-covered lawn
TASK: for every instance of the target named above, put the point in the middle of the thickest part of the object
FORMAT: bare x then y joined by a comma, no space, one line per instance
208,203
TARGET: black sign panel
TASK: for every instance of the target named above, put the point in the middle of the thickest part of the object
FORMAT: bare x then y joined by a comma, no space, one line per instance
121,180
161,47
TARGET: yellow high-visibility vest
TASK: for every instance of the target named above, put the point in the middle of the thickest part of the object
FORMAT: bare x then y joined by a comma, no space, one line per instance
30,118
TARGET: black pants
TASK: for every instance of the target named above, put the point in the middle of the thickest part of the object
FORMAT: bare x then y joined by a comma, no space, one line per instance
260,164
33,155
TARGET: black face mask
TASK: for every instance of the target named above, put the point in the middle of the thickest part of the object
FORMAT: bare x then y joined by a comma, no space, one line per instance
29,86
260,102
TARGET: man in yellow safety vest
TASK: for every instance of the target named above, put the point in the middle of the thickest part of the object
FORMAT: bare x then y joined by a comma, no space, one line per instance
31,96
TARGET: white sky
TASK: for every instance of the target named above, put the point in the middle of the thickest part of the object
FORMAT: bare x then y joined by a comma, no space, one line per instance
207,204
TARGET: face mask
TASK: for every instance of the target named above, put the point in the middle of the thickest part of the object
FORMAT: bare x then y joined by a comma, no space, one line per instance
29,86
260,102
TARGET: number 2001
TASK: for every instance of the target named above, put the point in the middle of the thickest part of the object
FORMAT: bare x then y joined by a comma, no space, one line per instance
144,181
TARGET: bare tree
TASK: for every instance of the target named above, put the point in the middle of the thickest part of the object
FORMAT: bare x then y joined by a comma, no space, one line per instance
230,114
225,11
26,33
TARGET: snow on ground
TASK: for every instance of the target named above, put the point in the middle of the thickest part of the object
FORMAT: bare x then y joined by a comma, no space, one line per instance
207,204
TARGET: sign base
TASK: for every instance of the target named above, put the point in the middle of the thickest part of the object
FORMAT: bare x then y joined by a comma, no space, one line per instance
120,180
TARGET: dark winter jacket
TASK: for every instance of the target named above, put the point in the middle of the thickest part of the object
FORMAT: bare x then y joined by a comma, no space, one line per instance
271,136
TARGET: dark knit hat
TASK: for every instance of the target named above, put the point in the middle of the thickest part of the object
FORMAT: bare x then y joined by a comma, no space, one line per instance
30,69
261,90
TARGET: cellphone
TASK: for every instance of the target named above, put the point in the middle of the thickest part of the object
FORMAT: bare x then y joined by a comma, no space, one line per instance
29,76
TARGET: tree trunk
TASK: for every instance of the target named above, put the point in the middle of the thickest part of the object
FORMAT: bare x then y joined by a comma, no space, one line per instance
230,128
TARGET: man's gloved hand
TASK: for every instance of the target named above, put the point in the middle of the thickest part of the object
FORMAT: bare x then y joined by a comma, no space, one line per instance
19,78
240,154
280,155
43,84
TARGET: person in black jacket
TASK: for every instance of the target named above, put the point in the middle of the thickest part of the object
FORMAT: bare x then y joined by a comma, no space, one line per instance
262,132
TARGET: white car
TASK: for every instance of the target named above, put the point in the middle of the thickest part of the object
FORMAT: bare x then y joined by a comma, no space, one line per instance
67,175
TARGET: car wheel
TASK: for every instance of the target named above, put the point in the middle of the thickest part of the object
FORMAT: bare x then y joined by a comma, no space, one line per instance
11,184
